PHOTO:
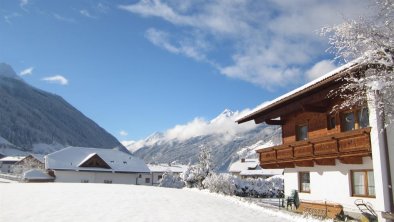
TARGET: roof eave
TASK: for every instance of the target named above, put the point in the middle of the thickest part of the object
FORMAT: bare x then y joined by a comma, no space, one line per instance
299,93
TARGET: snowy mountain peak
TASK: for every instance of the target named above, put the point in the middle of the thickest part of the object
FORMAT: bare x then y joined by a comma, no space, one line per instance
7,71
227,113
154,137
224,116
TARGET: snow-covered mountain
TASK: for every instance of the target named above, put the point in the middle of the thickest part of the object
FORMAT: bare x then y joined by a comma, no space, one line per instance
227,140
33,120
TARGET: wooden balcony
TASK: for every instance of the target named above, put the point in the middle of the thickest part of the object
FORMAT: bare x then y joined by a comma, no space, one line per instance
348,147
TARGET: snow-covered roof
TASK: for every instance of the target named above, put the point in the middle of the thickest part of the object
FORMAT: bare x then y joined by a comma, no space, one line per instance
161,168
39,157
261,172
11,158
330,76
35,174
250,167
70,158
239,166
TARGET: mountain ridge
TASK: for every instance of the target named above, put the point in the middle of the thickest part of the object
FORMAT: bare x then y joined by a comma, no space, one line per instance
32,119
227,140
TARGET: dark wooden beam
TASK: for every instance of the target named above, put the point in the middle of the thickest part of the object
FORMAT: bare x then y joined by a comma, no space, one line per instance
274,122
326,162
351,160
269,166
305,163
295,104
314,109
286,165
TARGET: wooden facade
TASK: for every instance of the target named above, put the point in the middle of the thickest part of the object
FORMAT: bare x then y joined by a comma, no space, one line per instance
311,134
323,143
348,147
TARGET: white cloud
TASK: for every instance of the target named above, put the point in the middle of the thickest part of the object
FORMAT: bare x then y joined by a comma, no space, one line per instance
123,133
28,71
63,19
269,43
57,79
23,3
190,49
8,18
87,14
102,8
223,124
320,69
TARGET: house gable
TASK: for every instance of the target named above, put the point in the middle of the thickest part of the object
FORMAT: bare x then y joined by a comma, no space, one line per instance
94,161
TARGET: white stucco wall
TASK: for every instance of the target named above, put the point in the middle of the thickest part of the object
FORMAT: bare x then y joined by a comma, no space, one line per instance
155,176
98,177
328,183
5,167
390,140
142,180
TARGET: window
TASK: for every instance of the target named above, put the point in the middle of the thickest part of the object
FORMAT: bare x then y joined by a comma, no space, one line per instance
159,177
107,181
348,122
363,183
147,180
304,182
355,119
140,176
302,132
363,117
331,122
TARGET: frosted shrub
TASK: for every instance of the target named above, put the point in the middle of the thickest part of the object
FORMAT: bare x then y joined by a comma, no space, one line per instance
231,185
172,181
221,183
271,187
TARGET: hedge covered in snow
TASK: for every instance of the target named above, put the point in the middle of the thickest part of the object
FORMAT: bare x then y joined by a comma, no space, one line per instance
231,185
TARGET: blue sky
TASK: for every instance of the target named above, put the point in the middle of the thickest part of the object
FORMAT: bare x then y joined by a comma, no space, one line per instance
146,66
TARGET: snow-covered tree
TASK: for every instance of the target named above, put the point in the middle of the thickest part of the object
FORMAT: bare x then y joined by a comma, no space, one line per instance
369,41
171,180
195,174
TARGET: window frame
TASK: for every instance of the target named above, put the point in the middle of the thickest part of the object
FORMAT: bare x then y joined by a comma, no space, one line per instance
329,121
367,195
357,118
300,182
355,126
299,126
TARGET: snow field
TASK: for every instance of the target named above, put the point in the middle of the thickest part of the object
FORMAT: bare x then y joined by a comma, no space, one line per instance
105,202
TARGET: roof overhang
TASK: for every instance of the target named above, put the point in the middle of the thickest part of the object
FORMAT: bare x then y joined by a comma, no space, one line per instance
321,85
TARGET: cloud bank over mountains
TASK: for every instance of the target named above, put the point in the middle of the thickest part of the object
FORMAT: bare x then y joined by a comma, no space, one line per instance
224,125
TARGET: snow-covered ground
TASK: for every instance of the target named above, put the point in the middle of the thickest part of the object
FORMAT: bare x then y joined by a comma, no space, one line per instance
111,202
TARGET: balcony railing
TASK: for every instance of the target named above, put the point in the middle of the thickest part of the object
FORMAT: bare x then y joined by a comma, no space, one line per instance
323,150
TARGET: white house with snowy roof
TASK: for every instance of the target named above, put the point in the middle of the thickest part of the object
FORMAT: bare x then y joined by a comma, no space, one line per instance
250,168
94,165
158,170
335,160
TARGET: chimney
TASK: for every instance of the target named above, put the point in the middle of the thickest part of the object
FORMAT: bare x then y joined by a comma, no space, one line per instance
243,160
